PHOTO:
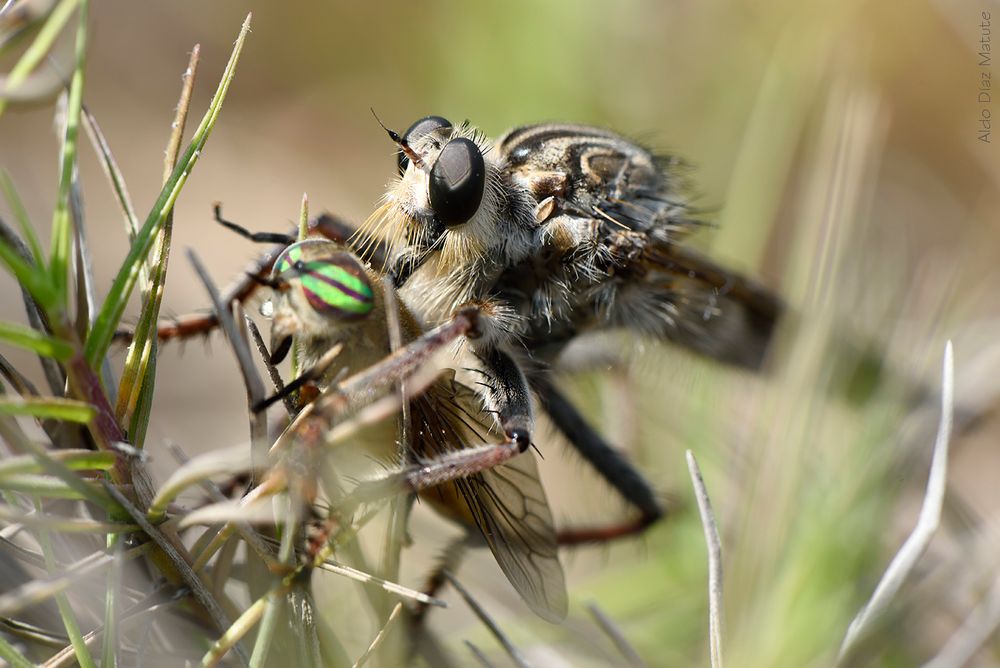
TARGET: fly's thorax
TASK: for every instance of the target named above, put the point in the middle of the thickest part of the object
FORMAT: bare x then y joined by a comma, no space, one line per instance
594,172
326,296
439,287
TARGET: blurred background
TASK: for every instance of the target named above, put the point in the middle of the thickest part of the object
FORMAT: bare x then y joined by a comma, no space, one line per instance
837,143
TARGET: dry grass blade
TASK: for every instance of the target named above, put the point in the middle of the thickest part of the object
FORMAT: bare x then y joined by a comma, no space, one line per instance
617,637
135,403
714,544
251,379
390,587
377,640
188,575
273,616
140,611
110,167
484,617
249,510
60,524
180,118
252,538
33,592
927,523
478,653
230,639
231,461
975,631
272,371
114,306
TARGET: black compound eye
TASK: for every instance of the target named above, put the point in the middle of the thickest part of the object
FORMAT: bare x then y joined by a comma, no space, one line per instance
424,126
457,182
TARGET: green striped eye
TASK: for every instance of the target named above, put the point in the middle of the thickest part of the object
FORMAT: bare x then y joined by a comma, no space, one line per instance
335,284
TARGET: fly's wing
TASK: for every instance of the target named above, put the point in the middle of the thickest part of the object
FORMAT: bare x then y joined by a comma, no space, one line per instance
510,508
721,314
507,503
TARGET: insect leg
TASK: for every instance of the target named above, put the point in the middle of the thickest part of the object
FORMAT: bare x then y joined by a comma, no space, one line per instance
195,324
310,375
356,391
442,469
256,237
505,390
606,460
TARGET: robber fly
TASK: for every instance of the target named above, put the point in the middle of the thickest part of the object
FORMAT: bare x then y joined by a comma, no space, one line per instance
456,456
558,230
553,231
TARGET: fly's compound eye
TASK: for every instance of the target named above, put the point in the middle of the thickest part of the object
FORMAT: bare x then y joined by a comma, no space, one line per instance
334,285
425,125
457,182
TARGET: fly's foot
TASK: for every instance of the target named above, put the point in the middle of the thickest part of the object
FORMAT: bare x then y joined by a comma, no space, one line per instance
521,438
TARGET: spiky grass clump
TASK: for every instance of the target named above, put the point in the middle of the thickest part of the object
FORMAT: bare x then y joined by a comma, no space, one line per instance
75,486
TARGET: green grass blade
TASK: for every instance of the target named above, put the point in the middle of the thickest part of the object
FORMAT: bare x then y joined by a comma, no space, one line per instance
53,408
43,486
234,633
33,592
35,341
114,306
54,375
111,170
10,654
74,460
32,279
11,432
21,214
268,628
112,604
40,47
185,570
62,236
63,524
65,609
135,393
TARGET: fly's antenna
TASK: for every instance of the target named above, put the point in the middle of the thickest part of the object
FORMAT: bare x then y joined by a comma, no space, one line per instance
399,141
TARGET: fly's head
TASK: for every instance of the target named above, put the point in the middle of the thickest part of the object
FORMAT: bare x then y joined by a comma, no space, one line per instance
323,294
447,197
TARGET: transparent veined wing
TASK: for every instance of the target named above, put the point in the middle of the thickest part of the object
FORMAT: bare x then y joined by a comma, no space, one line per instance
507,503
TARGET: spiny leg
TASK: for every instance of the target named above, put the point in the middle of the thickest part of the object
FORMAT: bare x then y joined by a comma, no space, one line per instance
505,390
450,465
606,460
438,471
357,390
